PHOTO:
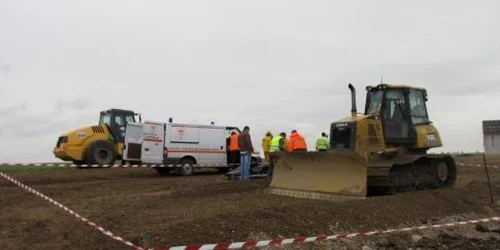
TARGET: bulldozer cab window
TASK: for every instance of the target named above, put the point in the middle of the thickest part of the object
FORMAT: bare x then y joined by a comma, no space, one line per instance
395,116
417,108
374,102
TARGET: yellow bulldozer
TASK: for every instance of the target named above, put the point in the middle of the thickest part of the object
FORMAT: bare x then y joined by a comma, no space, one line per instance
383,150
99,144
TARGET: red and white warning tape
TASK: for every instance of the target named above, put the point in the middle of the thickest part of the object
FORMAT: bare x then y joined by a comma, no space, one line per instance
247,244
300,240
85,220
476,165
69,165
109,166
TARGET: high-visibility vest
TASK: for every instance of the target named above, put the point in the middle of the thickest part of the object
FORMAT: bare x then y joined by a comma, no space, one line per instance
275,144
266,142
322,143
233,145
286,144
297,142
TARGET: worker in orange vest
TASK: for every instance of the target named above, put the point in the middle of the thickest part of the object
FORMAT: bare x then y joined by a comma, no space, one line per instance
297,142
234,150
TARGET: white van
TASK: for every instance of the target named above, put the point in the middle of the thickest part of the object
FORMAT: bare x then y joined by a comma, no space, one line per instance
182,148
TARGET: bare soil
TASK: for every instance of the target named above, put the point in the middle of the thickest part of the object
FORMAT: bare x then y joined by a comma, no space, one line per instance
152,211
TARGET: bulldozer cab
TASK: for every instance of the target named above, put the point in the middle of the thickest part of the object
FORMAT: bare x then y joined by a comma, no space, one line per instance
116,120
399,108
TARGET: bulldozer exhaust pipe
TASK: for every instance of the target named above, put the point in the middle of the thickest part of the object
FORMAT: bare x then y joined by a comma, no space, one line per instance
354,110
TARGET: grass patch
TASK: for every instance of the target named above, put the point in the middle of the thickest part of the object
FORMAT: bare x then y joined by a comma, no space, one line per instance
17,169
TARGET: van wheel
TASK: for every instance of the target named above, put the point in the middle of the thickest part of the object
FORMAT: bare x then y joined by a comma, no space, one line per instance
101,152
187,167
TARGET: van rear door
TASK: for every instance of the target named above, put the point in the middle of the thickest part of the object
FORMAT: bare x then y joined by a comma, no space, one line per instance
133,142
153,142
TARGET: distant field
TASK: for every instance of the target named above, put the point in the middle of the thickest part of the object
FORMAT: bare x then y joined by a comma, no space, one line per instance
459,158
478,158
16,169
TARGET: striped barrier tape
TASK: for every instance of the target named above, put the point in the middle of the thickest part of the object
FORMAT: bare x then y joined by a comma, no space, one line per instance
320,238
247,244
476,165
70,165
85,220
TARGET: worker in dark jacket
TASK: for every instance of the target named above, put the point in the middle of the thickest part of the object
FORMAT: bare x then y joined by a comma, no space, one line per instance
246,150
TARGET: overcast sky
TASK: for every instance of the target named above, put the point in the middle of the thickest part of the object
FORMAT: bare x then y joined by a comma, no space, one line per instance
274,65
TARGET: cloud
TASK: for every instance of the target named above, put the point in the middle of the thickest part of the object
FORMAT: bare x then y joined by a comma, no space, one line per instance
4,68
12,110
28,126
19,121
76,104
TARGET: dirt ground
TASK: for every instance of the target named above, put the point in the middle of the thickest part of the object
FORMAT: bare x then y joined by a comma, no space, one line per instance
153,211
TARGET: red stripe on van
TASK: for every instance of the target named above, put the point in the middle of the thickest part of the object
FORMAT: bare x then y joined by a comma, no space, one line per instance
197,126
155,140
154,123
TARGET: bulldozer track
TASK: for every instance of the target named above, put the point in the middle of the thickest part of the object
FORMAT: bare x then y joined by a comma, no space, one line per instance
410,172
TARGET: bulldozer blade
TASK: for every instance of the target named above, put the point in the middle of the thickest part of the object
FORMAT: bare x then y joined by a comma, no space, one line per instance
320,175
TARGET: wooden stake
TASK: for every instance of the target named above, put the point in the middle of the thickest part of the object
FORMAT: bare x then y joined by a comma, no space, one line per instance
489,182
